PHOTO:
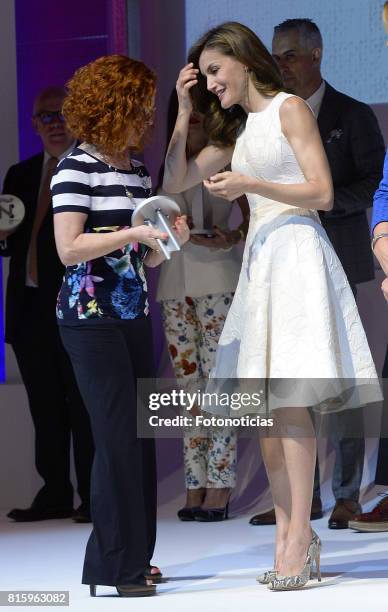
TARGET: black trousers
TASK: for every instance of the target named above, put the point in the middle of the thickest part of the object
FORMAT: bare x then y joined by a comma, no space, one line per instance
56,406
107,359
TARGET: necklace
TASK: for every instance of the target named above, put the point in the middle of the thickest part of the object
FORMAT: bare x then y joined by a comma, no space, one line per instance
93,151
145,179
114,166
128,193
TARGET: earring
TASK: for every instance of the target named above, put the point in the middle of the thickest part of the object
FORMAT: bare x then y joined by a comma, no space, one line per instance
246,85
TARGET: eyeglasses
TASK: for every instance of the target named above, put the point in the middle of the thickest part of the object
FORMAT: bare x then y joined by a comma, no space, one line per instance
47,117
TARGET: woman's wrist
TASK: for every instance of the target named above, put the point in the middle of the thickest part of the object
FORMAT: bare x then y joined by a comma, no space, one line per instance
132,234
154,259
237,235
381,252
251,184
234,237
184,112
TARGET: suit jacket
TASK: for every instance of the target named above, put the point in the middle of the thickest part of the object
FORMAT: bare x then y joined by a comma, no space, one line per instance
23,181
355,149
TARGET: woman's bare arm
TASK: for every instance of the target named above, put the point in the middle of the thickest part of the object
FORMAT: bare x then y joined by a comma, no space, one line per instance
75,246
301,130
179,174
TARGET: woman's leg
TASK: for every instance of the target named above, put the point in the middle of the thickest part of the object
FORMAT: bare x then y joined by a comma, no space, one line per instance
222,446
290,463
139,341
221,470
118,548
275,464
182,333
299,450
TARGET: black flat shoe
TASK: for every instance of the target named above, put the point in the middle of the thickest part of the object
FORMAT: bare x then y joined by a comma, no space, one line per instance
156,577
129,590
82,514
40,513
187,514
211,515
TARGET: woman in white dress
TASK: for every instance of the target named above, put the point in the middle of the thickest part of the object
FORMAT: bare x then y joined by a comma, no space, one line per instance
293,315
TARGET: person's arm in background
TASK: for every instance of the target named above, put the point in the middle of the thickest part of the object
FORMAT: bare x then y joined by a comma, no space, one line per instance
367,150
379,225
225,239
7,239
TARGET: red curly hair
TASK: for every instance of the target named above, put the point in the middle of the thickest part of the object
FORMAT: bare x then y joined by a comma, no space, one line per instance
110,102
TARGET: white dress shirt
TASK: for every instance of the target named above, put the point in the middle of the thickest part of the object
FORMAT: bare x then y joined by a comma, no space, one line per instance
315,100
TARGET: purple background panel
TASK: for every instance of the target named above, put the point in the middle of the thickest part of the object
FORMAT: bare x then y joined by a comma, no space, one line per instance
52,40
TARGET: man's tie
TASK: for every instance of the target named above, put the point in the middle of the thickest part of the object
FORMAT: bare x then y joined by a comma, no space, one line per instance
44,203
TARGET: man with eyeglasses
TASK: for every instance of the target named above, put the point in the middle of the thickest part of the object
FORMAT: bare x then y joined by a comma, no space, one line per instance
35,275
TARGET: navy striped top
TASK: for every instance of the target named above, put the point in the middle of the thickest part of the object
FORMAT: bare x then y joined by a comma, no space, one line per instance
112,286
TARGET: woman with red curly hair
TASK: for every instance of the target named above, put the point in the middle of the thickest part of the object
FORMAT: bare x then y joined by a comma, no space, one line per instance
102,308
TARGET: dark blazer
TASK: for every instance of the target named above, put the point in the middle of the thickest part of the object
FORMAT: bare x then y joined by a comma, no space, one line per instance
23,181
355,149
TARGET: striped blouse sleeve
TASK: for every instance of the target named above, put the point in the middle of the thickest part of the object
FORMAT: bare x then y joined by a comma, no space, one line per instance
70,188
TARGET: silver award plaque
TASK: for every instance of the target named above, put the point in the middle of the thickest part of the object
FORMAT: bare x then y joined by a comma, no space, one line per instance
160,213
12,212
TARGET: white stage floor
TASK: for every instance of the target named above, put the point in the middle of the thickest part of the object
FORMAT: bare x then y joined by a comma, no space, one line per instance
211,567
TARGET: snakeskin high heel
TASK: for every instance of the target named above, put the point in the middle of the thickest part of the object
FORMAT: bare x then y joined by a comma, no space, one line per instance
289,583
266,577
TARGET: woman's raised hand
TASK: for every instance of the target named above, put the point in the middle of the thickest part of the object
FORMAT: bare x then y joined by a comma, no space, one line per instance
186,80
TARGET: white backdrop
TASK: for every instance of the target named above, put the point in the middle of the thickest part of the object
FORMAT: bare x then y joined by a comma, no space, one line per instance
355,56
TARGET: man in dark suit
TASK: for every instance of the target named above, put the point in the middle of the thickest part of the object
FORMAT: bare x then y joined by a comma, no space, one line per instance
35,276
355,149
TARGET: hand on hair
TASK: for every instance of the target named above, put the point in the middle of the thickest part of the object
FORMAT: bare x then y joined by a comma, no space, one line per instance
186,80
227,185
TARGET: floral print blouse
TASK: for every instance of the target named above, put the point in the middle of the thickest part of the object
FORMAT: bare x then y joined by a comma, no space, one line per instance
112,286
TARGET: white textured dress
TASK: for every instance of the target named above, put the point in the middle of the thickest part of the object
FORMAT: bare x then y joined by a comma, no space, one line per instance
293,315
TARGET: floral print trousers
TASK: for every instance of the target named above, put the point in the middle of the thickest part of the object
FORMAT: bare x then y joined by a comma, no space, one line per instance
192,329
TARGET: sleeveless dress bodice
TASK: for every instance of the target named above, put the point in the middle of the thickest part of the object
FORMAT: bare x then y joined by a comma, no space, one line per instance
293,315
264,152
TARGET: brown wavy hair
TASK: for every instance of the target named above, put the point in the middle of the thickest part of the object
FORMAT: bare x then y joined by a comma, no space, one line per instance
385,16
238,41
109,102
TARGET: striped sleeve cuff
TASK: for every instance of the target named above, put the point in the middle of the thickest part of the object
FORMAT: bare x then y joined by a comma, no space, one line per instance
70,189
